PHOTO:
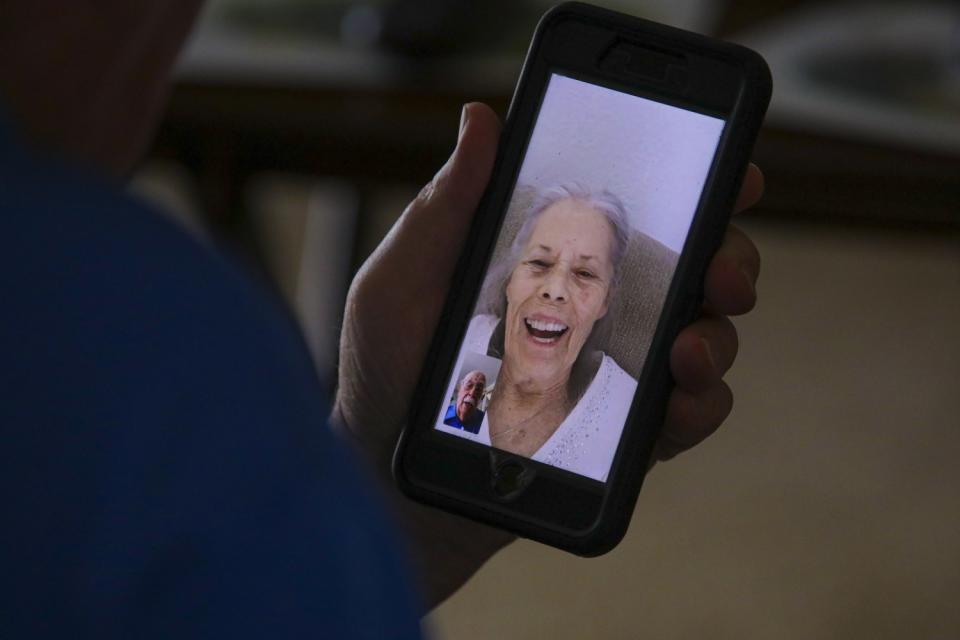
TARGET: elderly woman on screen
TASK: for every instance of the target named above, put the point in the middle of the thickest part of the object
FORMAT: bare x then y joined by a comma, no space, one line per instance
558,399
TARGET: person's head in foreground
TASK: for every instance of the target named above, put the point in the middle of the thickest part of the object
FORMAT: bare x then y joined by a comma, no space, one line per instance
469,394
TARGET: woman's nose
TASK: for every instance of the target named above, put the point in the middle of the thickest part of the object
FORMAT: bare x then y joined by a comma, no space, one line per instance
555,287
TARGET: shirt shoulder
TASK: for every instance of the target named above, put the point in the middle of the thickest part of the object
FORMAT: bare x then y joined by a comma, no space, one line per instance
166,468
618,378
587,440
450,418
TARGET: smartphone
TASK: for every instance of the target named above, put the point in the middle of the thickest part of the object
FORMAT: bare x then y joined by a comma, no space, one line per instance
622,156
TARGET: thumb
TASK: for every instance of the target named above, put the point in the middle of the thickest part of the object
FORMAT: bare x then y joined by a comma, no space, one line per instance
429,236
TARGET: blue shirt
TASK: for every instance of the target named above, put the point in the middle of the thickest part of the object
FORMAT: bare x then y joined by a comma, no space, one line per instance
472,425
165,467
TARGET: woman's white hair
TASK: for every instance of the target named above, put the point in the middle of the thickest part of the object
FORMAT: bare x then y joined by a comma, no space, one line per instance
493,295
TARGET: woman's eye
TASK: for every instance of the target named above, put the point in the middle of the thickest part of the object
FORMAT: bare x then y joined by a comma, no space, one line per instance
583,273
539,264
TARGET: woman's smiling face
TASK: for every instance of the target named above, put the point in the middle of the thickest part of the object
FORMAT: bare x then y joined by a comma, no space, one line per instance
556,293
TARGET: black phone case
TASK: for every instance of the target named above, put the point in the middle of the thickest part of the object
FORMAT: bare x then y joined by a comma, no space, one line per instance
684,298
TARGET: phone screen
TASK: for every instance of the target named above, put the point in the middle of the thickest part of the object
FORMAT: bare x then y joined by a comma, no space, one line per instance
572,295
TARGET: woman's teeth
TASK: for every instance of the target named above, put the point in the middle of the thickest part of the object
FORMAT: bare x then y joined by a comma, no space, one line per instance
540,325
544,332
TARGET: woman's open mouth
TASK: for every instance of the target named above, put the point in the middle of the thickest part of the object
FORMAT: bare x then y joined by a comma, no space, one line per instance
544,332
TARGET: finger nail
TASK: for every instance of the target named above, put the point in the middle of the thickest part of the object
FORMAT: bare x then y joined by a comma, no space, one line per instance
464,117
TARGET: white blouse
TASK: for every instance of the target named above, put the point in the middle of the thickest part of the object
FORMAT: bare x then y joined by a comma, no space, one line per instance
586,441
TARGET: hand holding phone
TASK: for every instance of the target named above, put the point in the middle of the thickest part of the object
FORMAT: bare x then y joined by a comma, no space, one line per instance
371,413
378,370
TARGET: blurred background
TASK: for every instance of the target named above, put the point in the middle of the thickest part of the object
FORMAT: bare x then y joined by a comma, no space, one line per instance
827,506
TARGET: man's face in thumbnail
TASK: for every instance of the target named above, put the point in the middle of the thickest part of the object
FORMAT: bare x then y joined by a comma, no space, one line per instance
471,390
